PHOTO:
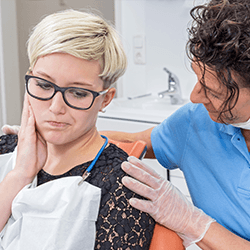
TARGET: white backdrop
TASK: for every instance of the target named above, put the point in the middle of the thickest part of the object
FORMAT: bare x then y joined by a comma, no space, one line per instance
2,90
163,26
10,100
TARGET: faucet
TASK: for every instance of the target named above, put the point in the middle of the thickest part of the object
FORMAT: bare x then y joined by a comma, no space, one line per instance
174,89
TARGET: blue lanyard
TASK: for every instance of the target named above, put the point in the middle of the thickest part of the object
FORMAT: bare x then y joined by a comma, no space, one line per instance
87,172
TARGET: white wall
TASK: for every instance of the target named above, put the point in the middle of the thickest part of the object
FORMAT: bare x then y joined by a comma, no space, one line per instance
163,23
10,101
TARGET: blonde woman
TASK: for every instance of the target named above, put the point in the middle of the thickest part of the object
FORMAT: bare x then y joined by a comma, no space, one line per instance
61,187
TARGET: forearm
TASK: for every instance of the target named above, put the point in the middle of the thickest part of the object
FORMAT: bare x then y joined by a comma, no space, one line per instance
131,137
9,188
218,237
146,136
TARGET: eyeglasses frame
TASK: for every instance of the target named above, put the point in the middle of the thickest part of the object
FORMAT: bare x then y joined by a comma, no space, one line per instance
62,90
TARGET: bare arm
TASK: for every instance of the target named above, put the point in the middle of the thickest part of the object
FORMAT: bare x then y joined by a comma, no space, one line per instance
9,188
131,137
31,156
218,237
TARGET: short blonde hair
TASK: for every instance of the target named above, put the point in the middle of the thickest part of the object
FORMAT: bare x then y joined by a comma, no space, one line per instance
82,35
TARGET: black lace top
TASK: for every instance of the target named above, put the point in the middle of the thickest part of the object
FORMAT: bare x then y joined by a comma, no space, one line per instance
119,226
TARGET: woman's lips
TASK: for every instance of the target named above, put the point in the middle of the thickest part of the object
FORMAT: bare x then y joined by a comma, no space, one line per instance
57,124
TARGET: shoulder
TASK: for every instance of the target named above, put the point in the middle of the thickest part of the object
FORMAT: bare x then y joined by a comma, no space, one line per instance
113,157
188,113
8,143
170,138
183,118
7,154
115,154
107,170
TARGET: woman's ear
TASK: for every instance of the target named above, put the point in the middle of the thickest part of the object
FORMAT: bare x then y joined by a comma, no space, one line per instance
108,98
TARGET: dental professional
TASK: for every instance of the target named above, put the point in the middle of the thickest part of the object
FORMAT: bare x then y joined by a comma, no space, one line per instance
208,139
61,188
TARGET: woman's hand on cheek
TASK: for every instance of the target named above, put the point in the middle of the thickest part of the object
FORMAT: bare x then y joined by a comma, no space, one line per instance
31,148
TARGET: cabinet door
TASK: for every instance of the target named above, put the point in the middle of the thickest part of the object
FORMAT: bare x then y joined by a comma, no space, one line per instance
125,125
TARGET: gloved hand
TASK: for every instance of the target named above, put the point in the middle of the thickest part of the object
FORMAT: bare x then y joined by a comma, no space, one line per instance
166,204
10,130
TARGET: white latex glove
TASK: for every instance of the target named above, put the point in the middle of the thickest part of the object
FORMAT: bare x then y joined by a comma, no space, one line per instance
166,204
12,130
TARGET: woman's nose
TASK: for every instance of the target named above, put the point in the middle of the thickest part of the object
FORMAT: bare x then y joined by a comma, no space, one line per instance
198,94
58,106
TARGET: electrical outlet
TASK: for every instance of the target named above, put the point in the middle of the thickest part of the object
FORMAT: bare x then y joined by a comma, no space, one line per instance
139,49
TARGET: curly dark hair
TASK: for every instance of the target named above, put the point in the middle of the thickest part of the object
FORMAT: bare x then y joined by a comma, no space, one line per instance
219,38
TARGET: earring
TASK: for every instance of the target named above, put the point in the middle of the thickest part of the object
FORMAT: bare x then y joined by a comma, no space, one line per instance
103,111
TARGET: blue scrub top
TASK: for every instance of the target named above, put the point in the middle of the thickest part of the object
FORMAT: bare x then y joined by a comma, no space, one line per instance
215,161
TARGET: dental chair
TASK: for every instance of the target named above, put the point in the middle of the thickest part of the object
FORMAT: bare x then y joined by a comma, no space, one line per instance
163,238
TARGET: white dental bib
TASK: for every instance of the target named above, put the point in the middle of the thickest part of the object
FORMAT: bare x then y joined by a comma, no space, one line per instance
57,215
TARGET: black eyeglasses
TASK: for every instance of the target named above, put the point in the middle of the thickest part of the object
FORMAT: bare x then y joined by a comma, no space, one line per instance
77,98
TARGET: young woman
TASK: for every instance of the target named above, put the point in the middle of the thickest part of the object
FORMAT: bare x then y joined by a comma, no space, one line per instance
61,187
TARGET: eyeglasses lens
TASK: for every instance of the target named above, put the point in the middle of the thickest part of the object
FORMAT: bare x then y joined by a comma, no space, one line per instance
79,97
76,97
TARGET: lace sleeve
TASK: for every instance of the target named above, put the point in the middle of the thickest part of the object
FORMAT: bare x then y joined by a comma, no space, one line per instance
7,143
119,225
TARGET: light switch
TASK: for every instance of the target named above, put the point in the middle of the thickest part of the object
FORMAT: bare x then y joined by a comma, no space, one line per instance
138,42
139,49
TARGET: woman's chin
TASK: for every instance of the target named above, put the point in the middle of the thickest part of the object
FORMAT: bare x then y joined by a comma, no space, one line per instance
54,138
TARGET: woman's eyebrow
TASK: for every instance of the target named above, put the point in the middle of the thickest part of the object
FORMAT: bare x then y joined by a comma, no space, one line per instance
82,84
44,75
51,79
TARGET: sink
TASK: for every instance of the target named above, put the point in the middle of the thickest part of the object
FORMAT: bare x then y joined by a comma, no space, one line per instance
147,109
147,103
